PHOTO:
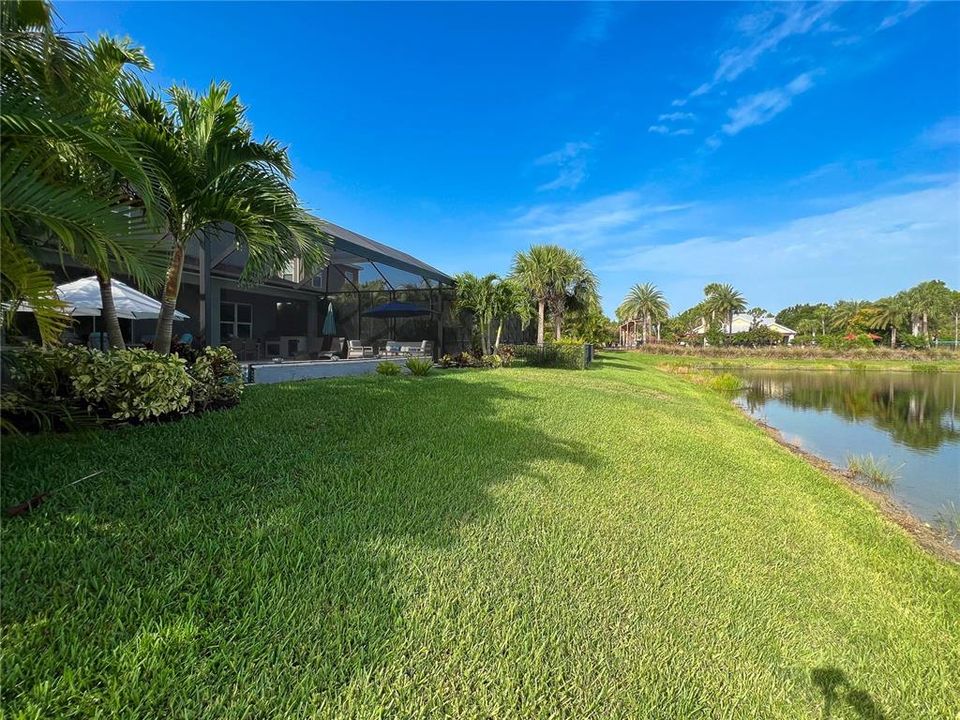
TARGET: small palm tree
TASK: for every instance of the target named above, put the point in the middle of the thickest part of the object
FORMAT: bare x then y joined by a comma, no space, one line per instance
510,300
213,175
647,302
725,301
476,295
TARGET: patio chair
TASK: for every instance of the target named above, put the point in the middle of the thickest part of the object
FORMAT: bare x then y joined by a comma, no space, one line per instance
356,349
391,347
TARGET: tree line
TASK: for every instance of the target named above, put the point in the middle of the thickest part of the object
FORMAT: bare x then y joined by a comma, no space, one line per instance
99,166
916,316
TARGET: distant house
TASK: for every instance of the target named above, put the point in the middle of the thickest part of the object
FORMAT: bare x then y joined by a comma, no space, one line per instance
744,321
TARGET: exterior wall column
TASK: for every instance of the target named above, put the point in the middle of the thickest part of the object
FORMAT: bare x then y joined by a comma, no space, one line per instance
313,315
213,312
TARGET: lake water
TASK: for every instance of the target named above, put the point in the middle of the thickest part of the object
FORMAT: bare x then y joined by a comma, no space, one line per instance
911,420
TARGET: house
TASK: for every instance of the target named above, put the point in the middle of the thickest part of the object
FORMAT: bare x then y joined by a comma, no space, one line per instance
285,315
742,322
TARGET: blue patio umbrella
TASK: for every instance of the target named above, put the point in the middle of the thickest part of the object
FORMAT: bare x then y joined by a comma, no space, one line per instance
329,322
396,309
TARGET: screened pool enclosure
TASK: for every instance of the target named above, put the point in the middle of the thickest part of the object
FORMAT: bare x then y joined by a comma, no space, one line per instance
299,315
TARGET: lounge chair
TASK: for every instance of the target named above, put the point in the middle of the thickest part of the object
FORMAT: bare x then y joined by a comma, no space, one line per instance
356,349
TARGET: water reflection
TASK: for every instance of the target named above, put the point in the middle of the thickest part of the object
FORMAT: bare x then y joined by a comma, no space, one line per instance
918,410
908,420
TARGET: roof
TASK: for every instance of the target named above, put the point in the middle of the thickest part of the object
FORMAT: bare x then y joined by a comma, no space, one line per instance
355,243
745,321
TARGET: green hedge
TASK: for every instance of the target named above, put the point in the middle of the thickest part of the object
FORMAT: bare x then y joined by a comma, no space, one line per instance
61,387
553,355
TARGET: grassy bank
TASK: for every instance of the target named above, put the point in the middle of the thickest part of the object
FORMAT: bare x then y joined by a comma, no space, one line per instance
940,362
514,543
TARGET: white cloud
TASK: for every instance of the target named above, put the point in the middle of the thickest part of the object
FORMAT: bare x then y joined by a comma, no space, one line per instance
764,106
676,116
664,130
761,33
571,162
875,247
619,215
943,134
679,102
896,18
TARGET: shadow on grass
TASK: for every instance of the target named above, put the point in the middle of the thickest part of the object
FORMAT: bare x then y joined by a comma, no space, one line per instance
606,361
247,559
837,691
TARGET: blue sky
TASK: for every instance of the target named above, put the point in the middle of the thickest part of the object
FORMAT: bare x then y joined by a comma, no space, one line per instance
803,152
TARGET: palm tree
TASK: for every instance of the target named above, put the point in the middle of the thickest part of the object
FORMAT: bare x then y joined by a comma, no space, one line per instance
647,302
214,175
53,145
575,289
539,270
509,300
725,301
476,295
888,313
846,315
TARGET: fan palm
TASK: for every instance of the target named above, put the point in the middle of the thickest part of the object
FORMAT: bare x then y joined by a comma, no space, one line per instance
539,271
725,301
214,175
574,289
647,303
53,143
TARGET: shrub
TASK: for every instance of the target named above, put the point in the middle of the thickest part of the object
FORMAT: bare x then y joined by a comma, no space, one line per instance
419,366
506,354
388,368
217,381
133,384
447,361
914,342
466,359
39,394
754,337
550,355
62,387
491,361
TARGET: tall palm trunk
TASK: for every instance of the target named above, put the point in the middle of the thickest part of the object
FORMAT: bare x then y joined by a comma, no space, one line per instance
168,303
496,342
108,312
646,322
893,336
557,326
541,316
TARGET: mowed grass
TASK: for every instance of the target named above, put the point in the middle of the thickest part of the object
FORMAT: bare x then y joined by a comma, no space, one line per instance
614,543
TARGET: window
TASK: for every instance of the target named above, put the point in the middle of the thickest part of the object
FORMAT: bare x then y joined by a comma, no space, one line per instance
290,271
236,320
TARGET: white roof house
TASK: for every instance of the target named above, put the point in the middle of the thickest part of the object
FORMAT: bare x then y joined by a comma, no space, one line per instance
744,321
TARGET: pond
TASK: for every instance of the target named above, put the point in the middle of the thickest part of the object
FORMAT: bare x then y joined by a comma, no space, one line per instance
908,419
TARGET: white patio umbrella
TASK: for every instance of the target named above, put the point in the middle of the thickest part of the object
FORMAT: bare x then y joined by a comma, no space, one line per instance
82,298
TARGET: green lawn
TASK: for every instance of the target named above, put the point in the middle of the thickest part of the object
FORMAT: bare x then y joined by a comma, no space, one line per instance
509,543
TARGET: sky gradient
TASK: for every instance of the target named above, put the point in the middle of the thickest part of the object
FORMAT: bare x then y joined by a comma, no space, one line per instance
804,152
